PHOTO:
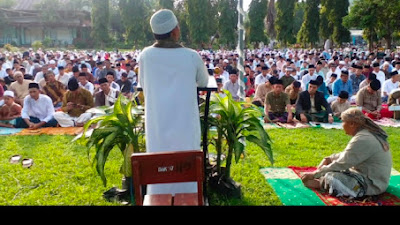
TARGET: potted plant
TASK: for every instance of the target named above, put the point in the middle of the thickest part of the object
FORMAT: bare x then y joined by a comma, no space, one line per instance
235,124
122,126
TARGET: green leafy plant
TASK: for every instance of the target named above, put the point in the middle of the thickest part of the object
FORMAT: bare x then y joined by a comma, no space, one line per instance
36,45
121,126
236,122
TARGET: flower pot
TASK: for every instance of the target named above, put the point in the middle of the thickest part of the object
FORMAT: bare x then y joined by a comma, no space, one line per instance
223,185
122,195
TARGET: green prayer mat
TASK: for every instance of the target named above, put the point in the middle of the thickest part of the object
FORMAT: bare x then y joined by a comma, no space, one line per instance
289,187
292,192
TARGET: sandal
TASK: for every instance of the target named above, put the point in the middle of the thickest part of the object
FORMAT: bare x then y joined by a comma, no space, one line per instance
27,163
15,159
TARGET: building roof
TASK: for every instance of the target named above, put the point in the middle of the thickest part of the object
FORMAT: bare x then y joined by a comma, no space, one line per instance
28,5
25,4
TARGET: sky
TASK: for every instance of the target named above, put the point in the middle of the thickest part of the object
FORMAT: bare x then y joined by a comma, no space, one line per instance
246,4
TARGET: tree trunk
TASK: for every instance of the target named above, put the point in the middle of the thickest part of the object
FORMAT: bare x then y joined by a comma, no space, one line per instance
218,146
388,39
229,161
126,168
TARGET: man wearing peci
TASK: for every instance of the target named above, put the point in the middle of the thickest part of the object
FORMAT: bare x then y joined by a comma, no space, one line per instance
169,76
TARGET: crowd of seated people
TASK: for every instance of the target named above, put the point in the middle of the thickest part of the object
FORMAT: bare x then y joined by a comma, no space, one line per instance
49,90
319,85
39,89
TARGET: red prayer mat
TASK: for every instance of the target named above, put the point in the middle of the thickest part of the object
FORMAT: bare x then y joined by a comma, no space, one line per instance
385,199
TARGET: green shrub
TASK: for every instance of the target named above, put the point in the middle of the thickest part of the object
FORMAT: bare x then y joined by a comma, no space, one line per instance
36,45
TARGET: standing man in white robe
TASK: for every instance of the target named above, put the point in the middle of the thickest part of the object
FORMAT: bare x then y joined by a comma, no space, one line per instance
169,75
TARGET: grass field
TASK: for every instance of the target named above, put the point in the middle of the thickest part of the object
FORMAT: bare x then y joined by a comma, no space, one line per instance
62,173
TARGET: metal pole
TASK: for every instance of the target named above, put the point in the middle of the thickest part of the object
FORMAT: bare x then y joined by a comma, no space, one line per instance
240,50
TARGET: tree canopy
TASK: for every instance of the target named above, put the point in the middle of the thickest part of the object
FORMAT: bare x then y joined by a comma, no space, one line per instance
213,23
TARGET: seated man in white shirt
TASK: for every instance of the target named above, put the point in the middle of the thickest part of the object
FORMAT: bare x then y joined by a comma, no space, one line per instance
84,83
233,85
111,77
380,75
390,84
38,110
62,76
263,77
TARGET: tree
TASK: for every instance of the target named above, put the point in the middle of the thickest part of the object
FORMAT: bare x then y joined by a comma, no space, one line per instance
331,16
270,20
309,31
166,4
299,11
284,21
340,33
326,24
388,19
363,15
227,23
117,28
200,20
257,13
134,14
378,19
100,22
7,3
181,14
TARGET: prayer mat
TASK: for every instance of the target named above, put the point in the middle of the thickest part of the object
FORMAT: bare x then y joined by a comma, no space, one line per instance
52,131
291,191
9,131
293,125
388,122
289,187
334,125
271,126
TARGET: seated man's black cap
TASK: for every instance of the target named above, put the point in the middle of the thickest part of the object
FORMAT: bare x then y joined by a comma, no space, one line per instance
73,84
375,85
33,85
344,95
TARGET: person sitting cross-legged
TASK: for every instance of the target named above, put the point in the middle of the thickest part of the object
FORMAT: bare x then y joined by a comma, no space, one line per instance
276,102
75,103
309,105
340,105
54,89
10,111
84,83
262,91
38,110
107,96
293,91
394,100
370,101
363,168
20,88
342,84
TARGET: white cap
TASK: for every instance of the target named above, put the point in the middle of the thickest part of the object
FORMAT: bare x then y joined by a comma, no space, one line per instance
52,62
9,94
163,21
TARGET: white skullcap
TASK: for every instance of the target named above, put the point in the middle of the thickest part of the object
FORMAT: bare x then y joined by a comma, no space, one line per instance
9,94
52,62
163,21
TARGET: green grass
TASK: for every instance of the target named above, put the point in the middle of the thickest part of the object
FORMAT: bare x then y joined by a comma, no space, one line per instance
297,147
63,175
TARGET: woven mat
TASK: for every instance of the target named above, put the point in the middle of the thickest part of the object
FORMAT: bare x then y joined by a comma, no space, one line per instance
52,131
288,186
